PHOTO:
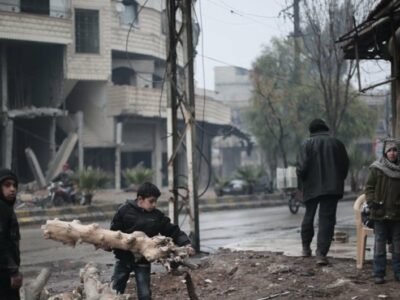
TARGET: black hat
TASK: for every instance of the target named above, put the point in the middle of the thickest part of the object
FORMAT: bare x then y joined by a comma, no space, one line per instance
317,125
7,174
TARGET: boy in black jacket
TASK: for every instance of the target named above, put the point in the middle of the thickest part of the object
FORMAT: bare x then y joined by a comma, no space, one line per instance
141,215
10,278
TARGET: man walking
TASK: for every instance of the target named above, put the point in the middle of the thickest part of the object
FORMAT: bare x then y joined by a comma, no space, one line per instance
322,166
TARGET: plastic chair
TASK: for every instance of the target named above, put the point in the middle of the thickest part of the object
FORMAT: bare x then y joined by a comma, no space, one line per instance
362,232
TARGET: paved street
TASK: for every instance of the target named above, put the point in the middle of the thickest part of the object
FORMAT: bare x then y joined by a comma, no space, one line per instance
273,229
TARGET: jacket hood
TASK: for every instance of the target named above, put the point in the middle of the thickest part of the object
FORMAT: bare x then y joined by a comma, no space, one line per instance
4,175
7,174
133,202
317,125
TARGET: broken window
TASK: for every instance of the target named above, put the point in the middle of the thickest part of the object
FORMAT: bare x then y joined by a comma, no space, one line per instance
35,6
129,14
87,31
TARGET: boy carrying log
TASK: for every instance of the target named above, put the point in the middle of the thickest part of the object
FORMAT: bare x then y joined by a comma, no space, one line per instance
141,214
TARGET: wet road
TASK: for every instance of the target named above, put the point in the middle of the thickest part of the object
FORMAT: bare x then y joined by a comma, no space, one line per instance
234,228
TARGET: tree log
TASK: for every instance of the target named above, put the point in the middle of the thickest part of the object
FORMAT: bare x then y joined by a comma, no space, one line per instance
94,289
32,290
158,248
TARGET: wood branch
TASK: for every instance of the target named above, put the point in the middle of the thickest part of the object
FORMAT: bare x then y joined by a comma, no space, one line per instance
94,289
33,289
75,295
158,248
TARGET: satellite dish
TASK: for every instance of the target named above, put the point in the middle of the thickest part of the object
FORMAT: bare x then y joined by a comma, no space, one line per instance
119,7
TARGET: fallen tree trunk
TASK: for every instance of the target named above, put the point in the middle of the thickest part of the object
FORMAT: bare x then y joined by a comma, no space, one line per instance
158,248
94,289
33,289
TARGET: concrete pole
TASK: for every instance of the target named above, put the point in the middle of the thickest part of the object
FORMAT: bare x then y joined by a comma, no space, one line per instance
4,78
52,138
8,139
8,124
118,145
81,158
172,108
157,154
190,120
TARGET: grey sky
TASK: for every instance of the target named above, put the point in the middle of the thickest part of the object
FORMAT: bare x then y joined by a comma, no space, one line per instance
235,31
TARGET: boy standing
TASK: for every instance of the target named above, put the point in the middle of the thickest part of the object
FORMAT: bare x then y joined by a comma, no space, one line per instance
141,215
10,278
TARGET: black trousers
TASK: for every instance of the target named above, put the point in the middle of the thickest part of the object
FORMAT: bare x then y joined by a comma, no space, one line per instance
326,223
6,292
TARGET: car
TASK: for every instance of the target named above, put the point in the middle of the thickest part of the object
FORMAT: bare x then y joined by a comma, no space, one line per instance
234,187
242,187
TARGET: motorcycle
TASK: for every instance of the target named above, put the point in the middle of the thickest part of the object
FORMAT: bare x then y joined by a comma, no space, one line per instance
58,194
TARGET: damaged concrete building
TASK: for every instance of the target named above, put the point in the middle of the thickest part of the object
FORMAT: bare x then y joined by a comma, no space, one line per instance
82,66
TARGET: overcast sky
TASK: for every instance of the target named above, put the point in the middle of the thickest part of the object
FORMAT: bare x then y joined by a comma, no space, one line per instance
235,31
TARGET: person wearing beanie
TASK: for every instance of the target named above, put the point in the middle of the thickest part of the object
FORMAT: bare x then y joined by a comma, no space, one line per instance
10,278
322,167
382,192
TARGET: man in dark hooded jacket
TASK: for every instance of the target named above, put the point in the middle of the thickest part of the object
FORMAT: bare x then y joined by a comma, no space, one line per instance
322,166
10,278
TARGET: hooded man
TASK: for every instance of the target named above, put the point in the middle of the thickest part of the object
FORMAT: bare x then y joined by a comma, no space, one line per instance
322,166
10,278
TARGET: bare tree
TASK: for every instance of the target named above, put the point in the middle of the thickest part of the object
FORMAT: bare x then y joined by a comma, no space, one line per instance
324,22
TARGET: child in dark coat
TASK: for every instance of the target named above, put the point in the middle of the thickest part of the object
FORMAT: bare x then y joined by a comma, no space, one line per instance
10,278
141,215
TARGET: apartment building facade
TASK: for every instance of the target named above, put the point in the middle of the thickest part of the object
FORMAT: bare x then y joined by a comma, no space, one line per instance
85,66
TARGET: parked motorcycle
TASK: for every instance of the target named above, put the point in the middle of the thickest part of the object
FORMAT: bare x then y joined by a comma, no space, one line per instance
59,195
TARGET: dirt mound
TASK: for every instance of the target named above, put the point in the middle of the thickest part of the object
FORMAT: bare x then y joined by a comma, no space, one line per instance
265,275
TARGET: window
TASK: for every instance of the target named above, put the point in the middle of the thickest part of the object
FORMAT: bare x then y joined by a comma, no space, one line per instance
129,13
164,22
87,31
35,6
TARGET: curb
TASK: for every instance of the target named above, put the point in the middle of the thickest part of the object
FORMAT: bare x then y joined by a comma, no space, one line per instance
99,212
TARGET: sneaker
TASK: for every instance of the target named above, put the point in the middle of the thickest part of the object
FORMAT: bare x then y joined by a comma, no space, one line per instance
306,252
322,261
379,280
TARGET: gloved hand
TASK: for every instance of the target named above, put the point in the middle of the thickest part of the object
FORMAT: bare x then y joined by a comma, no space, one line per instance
16,280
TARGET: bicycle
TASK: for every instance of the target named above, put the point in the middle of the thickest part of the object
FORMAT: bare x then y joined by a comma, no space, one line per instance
294,197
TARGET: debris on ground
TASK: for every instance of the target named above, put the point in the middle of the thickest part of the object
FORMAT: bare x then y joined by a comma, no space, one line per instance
251,275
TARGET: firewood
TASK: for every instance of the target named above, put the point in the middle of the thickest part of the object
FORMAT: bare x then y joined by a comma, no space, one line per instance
94,289
158,248
33,289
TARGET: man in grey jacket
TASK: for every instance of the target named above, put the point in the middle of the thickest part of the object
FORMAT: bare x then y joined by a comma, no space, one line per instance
322,166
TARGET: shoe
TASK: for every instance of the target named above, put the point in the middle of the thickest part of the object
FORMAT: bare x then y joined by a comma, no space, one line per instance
379,280
322,260
306,252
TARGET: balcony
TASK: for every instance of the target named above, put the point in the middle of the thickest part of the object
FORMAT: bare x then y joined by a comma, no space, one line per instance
148,102
36,21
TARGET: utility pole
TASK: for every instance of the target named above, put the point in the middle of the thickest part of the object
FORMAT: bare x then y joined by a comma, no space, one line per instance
172,105
186,103
190,121
296,36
